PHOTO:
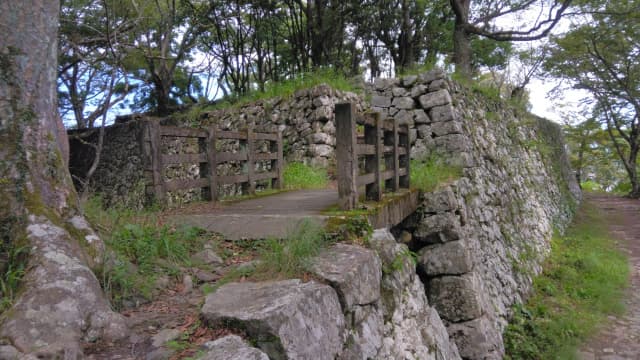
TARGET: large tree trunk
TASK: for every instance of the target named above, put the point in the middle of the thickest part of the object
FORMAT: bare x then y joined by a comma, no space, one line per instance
461,38
60,302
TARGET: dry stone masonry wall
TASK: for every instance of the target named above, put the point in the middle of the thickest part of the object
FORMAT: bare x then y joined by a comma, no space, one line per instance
481,238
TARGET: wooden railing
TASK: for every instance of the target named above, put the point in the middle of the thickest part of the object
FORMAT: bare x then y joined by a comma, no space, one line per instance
385,148
209,158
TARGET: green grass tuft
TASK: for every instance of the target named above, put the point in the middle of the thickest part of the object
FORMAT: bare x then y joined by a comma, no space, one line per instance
300,176
582,282
430,174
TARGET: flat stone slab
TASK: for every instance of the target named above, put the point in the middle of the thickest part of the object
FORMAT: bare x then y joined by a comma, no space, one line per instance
231,347
286,319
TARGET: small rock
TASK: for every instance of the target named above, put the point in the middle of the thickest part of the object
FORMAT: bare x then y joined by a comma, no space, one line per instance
187,281
405,237
380,101
8,352
164,336
231,347
159,354
205,276
207,257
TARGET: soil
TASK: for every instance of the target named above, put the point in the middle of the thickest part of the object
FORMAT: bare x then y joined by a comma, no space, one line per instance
620,338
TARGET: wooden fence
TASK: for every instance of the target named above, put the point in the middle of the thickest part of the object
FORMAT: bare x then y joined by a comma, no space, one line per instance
385,149
209,158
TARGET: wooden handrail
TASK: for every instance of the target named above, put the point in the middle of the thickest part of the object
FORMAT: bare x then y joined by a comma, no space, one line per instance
208,159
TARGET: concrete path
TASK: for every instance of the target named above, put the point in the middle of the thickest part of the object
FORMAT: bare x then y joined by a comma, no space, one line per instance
620,340
263,217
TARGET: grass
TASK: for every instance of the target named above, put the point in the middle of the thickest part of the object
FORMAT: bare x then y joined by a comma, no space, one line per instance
582,282
300,176
13,268
282,258
430,174
142,248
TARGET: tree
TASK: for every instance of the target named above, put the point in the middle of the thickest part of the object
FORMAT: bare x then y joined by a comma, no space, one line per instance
60,301
478,18
601,56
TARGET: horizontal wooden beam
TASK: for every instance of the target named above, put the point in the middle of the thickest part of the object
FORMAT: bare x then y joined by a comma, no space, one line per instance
365,179
266,136
233,179
183,132
186,184
229,156
265,175
184,158
364,149
238,135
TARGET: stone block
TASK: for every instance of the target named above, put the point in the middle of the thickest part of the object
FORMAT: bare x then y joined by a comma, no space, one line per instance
399,92
231,347
446,128
438,84
322,138
477,339
432,75
323,113
424,131
420,117
441,113
286,319
457,298
453,143
438,228
380,101
320,150
354,272
404,117
364,339
436,98
440,201
405,103
409,80
418,90
450,258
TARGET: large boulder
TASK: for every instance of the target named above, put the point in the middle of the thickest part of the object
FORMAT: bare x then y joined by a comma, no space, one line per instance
354,272
286,319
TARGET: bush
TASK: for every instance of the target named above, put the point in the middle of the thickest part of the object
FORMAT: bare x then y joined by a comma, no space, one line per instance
432,173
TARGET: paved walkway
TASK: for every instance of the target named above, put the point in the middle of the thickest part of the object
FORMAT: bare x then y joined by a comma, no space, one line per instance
262,217
621,339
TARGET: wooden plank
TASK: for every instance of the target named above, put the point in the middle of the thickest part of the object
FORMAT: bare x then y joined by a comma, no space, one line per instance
346,157
231,135
156,162
266,156
212,164
233,179
365,179
183,132
229,156
173,185
184,158
365,149
266,136
390,149
265,175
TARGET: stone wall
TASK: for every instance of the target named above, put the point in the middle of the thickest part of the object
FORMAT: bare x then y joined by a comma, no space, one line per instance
306,119
481,238
120,176
374,307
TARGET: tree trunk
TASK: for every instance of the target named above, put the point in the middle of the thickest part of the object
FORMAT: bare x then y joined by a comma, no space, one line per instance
60,302
461,38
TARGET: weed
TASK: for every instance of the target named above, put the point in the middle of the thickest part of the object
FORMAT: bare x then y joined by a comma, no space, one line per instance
432,173
13,270
582,282
300,176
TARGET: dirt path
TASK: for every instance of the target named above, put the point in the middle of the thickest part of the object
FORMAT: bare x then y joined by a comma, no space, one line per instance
621,338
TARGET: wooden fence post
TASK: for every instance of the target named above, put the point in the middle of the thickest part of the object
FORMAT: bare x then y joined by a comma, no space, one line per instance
346,156
250,186
212,164
405,160
156,162
278,164
373,136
